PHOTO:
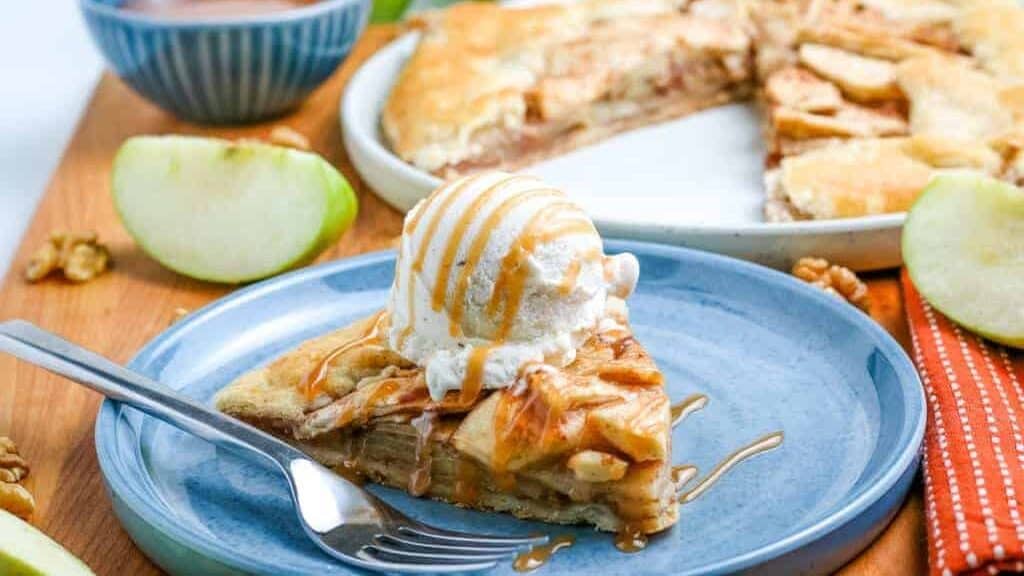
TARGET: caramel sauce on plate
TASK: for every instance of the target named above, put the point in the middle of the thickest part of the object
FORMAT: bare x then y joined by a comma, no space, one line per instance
185,9
539,555
688,406
759,446
682,474
630,539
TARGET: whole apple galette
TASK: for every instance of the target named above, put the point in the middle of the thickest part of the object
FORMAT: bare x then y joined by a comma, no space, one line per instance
862,100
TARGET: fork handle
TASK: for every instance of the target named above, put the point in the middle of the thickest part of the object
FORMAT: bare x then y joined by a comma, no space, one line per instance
47,350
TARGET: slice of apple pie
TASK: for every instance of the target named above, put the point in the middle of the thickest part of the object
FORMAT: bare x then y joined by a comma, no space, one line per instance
503,374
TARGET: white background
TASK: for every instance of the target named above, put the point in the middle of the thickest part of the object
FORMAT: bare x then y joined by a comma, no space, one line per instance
48,66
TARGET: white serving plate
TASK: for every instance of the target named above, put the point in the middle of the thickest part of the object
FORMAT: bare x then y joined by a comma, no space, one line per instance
692,182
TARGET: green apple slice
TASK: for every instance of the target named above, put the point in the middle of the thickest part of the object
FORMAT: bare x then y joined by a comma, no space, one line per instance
228,211
25,551
963,244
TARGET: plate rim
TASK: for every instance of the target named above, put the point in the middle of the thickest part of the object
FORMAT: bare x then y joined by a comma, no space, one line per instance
908,445
369,144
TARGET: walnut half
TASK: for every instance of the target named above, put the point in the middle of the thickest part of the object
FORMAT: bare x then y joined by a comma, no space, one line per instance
836,280
79,256
14,497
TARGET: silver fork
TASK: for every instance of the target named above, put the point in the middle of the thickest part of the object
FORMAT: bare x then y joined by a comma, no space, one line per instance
345,520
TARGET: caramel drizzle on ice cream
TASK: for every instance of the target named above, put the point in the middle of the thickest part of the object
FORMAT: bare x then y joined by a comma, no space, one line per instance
456,190
556,218
511,281
476,249
547,224
473,382
455,239
571,275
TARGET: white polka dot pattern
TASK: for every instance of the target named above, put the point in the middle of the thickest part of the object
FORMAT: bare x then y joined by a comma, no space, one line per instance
974,446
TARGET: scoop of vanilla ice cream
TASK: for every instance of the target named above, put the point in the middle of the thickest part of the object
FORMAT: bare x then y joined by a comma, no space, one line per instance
495,271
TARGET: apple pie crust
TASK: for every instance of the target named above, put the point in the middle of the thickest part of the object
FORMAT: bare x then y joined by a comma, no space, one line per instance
588,443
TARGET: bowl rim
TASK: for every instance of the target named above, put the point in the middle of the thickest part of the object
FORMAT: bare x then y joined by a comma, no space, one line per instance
279,17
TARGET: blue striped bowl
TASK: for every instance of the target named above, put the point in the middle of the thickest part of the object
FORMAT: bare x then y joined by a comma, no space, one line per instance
227,70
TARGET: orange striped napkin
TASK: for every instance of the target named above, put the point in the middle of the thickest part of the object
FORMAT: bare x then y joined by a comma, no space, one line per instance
974,451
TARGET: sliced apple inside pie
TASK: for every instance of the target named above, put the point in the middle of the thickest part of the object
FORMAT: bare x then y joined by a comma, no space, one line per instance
503,374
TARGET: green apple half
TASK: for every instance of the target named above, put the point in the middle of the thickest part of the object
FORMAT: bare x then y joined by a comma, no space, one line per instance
228,211
963,244
25,551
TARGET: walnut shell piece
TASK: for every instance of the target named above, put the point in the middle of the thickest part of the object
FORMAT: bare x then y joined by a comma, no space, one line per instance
79,256
834,279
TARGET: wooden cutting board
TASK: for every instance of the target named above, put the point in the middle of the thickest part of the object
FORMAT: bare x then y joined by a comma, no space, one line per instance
52,420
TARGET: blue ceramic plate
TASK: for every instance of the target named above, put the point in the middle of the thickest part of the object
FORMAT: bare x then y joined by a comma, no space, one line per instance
770,352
